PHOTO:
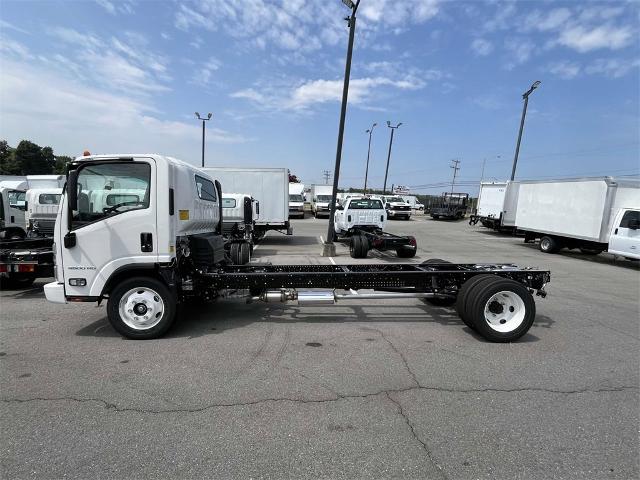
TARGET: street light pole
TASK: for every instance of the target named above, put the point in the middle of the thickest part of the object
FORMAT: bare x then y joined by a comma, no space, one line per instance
366,172
525,96
386,173
203,131
329,249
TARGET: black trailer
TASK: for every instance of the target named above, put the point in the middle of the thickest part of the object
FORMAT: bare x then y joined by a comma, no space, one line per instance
22,261
451,205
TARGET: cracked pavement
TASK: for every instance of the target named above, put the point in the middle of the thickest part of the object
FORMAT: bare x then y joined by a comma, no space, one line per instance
395,388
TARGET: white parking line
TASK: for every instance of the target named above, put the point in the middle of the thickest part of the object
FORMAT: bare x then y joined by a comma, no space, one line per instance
332,260
321,240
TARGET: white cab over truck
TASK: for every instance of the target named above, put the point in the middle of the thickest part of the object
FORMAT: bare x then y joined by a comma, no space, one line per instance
320,198
269,186
239,215
146,256
496,208
12,209
296,200
414,202
591,214
42,210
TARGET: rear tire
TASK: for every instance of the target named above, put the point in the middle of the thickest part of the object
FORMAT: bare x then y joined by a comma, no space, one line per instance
406,252
245,253
139,297
435,217
466,292
549,245
501,309
359,246
234,253
11,283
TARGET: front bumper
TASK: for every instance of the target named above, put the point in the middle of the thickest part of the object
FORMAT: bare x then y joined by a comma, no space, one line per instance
54,292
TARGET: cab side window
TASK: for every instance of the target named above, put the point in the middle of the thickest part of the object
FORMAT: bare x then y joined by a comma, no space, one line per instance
206,189
632,216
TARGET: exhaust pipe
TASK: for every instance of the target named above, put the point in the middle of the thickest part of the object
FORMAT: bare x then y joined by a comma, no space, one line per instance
324,297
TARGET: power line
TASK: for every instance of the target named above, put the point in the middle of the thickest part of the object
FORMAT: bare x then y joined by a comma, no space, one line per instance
327,175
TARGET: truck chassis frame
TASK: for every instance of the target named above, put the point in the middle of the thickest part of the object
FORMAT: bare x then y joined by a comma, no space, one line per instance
370,238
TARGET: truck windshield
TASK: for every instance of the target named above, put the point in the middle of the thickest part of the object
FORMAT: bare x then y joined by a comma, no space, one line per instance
324,198
365,204
395,199
109,189
228,203
49,198
295,198
16,198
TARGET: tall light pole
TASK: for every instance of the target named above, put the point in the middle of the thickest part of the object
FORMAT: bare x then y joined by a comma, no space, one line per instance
329,249
203,120
525,96
386,172
366,172
455,167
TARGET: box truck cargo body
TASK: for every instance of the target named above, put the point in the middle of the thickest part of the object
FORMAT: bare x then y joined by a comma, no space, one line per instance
590,214
320,198
269,186
497,205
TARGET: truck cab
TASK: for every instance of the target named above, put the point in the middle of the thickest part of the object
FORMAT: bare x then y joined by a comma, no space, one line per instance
296,200
396,207
625,234
42,210
12,210
239,214
102,243
360,212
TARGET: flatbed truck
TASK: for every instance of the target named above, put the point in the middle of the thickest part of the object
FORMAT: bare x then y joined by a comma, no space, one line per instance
146,257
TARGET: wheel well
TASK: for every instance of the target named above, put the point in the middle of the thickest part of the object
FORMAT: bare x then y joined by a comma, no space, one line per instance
134,271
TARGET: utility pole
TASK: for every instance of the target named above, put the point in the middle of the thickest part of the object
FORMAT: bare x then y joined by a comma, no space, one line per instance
329,249
327,175
455,167
366,172
203,131
386,173
525,96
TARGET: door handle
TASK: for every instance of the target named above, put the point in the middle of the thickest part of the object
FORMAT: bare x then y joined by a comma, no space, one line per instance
615,232
146,242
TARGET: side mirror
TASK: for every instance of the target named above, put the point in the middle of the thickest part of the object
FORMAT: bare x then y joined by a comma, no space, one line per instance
257,208
72,190
315,200
339,207
634,224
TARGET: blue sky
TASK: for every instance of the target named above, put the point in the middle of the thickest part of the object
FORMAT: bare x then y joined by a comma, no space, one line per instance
126,76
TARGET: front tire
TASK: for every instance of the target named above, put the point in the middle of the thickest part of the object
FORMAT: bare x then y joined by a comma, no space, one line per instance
141,308
245,253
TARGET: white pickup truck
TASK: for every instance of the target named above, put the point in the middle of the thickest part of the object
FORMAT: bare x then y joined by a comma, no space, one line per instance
396,207
362,220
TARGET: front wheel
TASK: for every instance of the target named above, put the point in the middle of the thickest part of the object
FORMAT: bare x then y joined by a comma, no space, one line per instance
141,308
549,245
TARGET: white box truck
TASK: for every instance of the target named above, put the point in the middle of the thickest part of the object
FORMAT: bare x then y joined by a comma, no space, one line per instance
413,201
320,198
296,200
269,186
12,209
591,214
496,207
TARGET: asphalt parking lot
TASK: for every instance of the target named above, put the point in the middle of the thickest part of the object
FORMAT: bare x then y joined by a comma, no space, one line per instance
357,390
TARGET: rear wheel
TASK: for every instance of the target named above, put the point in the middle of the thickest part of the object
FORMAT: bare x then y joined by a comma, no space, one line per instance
501,309
549,245
435,217
359,246
11,283
141,308
245,253
466,292
234,253
406,251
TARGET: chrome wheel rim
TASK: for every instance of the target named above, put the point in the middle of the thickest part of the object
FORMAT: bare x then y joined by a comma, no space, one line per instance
504,311
545,244
141,308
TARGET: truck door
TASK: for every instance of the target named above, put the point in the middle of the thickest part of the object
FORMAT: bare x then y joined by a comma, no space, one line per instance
625,237
114,225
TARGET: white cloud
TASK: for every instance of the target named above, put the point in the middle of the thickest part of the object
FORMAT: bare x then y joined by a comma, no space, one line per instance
122,63
503,18
73,116
9,26
584,39
481,46
612,67
488,102
15,49
551,20
394,13
519,50
564,69
117,6
204,74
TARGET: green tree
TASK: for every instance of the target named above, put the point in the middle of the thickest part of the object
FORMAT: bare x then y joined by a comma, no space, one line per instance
31,159
61,164
49,158
8,164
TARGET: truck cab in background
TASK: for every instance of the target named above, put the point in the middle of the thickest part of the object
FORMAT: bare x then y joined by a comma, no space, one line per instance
12,209
42,209
239,215
320,198
396,207
296,200
625,234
